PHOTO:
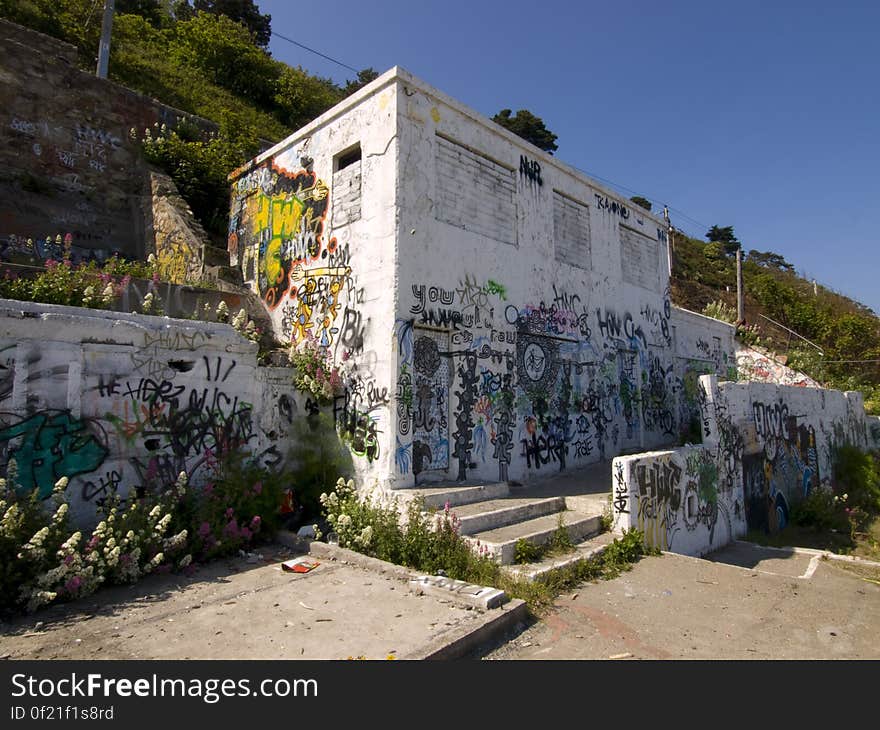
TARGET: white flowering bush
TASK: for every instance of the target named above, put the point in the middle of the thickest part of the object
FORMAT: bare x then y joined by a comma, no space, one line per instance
222,312
371,522
42,560
32,531
152,304
246,327
316,373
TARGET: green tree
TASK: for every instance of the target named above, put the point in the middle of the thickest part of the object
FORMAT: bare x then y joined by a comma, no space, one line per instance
770,260
301,97
225,51
529,127
644,202
154,11
717,234
364,77
244,12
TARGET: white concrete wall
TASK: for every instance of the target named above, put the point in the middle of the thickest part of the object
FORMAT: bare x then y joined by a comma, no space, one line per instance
317,243
677,500
783,436
756,365
124,401
703,345
533,319
765,447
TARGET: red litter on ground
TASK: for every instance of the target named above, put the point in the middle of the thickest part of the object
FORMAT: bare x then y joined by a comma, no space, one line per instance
299,565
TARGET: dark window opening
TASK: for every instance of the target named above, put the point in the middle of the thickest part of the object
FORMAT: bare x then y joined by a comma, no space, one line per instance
348,158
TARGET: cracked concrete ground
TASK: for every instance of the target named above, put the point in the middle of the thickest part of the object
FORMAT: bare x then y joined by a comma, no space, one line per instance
743,603
235,609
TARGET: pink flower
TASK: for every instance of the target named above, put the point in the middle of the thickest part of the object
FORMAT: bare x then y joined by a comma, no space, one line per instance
258,487
51,263
68,560
204,530
73,585
246,533
230,512
255,523
231,528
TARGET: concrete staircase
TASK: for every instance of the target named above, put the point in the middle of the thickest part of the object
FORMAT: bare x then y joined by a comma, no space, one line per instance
496,516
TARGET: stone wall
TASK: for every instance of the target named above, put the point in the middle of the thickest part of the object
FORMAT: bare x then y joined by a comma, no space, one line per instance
312,229
68,163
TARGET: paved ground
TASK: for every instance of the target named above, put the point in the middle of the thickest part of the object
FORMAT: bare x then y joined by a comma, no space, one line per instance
246,610
782,605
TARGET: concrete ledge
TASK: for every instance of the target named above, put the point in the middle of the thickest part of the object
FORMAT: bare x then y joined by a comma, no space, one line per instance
497,621
484,597
466,594
344,555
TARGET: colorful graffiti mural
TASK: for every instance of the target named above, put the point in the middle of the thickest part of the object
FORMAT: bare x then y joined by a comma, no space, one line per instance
542,385
277,233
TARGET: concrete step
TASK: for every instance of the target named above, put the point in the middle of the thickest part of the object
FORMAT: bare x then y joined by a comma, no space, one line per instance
494,513
500,543
586,550
437,497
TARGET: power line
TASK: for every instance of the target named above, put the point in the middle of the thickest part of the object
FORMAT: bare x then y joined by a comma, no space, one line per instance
312,50
653,199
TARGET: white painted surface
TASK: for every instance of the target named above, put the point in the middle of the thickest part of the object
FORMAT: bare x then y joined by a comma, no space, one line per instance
122,401
679,499
515,313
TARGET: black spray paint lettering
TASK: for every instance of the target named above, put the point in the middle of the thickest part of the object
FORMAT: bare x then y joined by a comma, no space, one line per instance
433,294
659,482
603,202
531,169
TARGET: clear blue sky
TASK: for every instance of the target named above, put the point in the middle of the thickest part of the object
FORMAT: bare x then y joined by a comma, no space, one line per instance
760,115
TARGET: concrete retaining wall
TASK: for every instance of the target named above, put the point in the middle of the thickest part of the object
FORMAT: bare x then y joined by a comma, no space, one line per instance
765,448
784,436
126,401
69,163
680,499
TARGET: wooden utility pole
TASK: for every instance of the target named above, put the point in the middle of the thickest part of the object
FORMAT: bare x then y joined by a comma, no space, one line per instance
104,47
668,238
740,303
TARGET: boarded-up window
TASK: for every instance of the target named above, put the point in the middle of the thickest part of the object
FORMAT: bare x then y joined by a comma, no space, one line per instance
346,193
640,259
571,231
475,193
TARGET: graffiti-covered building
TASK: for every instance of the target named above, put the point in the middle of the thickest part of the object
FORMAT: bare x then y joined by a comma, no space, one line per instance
501,315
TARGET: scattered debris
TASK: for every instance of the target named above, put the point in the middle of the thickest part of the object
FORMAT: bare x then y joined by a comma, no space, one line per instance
305,606
625,655
299,565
